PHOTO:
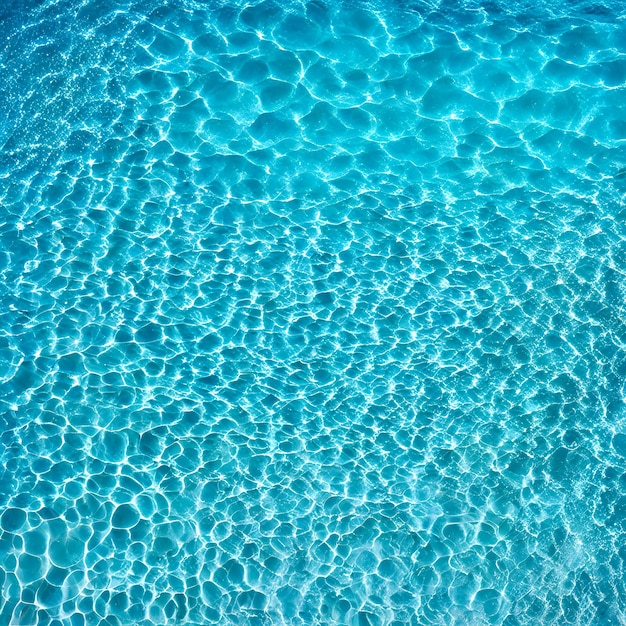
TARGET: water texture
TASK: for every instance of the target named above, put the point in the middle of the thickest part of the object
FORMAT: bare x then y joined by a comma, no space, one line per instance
312,313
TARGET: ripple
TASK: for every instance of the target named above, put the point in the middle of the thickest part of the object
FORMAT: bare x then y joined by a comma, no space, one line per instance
312,314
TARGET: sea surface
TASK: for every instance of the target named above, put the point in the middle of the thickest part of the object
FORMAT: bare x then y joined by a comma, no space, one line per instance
312,313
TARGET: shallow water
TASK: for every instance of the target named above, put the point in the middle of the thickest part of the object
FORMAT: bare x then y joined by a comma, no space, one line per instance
312,313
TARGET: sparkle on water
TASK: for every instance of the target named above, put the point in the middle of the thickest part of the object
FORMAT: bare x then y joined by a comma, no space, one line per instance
312,313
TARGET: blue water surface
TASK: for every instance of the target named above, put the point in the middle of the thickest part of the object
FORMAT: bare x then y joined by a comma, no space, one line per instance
312,313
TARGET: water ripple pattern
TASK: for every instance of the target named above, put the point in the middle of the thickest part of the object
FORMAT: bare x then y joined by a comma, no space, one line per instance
312,313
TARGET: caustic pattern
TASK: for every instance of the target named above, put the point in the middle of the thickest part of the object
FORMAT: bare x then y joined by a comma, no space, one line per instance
312,313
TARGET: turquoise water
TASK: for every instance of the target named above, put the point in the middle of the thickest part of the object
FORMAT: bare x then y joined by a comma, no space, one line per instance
312,313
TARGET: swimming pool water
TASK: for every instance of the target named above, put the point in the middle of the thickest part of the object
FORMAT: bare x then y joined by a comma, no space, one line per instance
312,313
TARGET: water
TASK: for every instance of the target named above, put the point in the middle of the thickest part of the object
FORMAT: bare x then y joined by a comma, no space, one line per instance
312,313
